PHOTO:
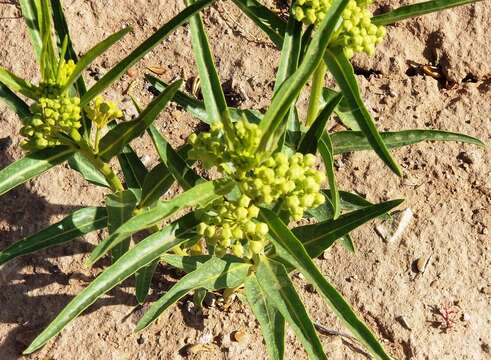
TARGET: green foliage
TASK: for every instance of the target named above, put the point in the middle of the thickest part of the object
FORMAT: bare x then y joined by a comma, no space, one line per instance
235,230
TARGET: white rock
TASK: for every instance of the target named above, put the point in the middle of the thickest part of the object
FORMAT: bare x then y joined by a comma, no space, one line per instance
391,230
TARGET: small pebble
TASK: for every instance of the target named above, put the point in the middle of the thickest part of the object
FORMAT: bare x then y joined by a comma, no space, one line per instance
131,72
422,263
465,317
240,336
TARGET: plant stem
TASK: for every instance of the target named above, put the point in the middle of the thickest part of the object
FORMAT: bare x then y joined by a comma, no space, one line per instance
315,92
97,139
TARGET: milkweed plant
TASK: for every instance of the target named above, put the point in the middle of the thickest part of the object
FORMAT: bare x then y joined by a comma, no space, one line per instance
238,230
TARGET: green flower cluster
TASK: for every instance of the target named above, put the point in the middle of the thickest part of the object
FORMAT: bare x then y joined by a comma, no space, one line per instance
294,180
54,112
291,183
356,33
212,148
233,225
101,111
50,116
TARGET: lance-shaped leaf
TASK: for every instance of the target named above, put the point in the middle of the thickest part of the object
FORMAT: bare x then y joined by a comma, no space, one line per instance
32,165
185,176
418,9
326,151
185,263
142,50
291,249
197,108
215,274
143,253
114,141
94,53
90,173
16,84
212,91
276,285
346,141
270,319
120,207
133,169
62,33
48,61
343,110
341,69
30,15
309,141
76,224
286,95
200,195
143,280
156,184
265,19
14,102
318,237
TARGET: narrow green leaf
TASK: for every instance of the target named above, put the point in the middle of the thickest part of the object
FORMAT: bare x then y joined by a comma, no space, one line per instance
291,249
290,88
418,9
346,141
200,195
309,141
48,61
14,102
32,165
185,263
90,173
143,253
211,88
143,280
133,169
347,243
120,208
62,33
215,274
114,141
30,15
76,224
156,184
290,52
197,108
185,176
142,50
343,72
16,84
265,19
276,285
326,151
318,237
343,110
270,319
94,53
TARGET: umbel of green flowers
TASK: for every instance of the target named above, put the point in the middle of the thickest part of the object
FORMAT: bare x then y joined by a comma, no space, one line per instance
289,184
356,33
54,112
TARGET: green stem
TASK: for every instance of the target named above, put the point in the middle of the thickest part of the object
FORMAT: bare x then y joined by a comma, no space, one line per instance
105,169
97,139
315,92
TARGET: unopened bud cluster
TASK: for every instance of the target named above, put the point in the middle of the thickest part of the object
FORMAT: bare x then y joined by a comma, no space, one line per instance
101,111
357,33
292,183
53,112
212,148
293,179
233,225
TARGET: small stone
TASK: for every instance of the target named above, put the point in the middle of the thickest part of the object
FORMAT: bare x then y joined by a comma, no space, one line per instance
391,230
240,336
465,317
131,72
145,159
205,338
403,321
422,264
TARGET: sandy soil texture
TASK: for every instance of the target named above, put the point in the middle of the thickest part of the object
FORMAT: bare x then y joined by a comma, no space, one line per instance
446,185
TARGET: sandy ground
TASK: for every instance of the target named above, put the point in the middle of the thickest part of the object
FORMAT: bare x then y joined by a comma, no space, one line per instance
445,184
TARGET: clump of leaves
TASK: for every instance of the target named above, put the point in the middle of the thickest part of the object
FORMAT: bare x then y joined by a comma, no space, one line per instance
236,235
